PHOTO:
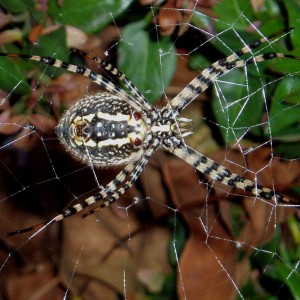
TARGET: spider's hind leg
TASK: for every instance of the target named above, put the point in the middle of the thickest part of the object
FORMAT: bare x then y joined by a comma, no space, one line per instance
115,189
219,173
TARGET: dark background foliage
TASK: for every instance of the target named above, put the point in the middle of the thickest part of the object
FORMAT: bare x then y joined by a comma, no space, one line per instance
159,244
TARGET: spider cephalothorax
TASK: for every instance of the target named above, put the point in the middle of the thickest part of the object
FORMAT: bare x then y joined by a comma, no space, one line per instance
118,128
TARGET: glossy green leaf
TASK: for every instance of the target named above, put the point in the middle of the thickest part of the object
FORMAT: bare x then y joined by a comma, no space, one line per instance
294,227
231,12
180,237
14,6
273,25
281,269
90,16
289,276
293,9
12,78
199,62
201,20
289,150
52,45
286,65
38,15
168,287
149,64
284,114
235,111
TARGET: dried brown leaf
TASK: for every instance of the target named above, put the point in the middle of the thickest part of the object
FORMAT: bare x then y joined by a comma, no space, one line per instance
43,123
11,124
168,18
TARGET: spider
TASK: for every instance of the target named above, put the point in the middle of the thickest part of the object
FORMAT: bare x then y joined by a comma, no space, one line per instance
115,128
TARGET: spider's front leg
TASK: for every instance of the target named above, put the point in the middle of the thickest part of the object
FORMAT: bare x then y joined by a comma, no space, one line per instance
211,74
219,173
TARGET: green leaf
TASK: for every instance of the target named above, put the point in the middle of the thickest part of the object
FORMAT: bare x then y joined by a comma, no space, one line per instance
235,111
233,13
14,6
39,16
149,64
168,288
198,61
12,78
289,150
285,109
180,238
289,276
90,16
273,25
52,45
294,226
287,66
293,10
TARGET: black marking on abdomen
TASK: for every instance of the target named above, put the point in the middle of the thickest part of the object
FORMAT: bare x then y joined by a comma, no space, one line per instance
108,129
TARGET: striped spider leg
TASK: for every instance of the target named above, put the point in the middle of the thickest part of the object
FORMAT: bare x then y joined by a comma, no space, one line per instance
219,173
102,64
114,128
209,75
106,196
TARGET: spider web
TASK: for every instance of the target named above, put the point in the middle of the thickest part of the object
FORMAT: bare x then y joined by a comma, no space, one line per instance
175,234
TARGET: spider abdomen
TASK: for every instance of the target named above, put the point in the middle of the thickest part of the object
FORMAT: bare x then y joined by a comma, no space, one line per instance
102,130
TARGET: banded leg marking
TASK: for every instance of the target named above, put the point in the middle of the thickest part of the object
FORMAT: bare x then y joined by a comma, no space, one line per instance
134,175
111,192
102,197
120,75
219,173
209,75
97,78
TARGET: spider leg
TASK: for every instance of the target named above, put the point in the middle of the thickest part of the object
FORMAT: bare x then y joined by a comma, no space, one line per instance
102,197
219,173
97,78
134,174
108,195
255,44
209,75
120,75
